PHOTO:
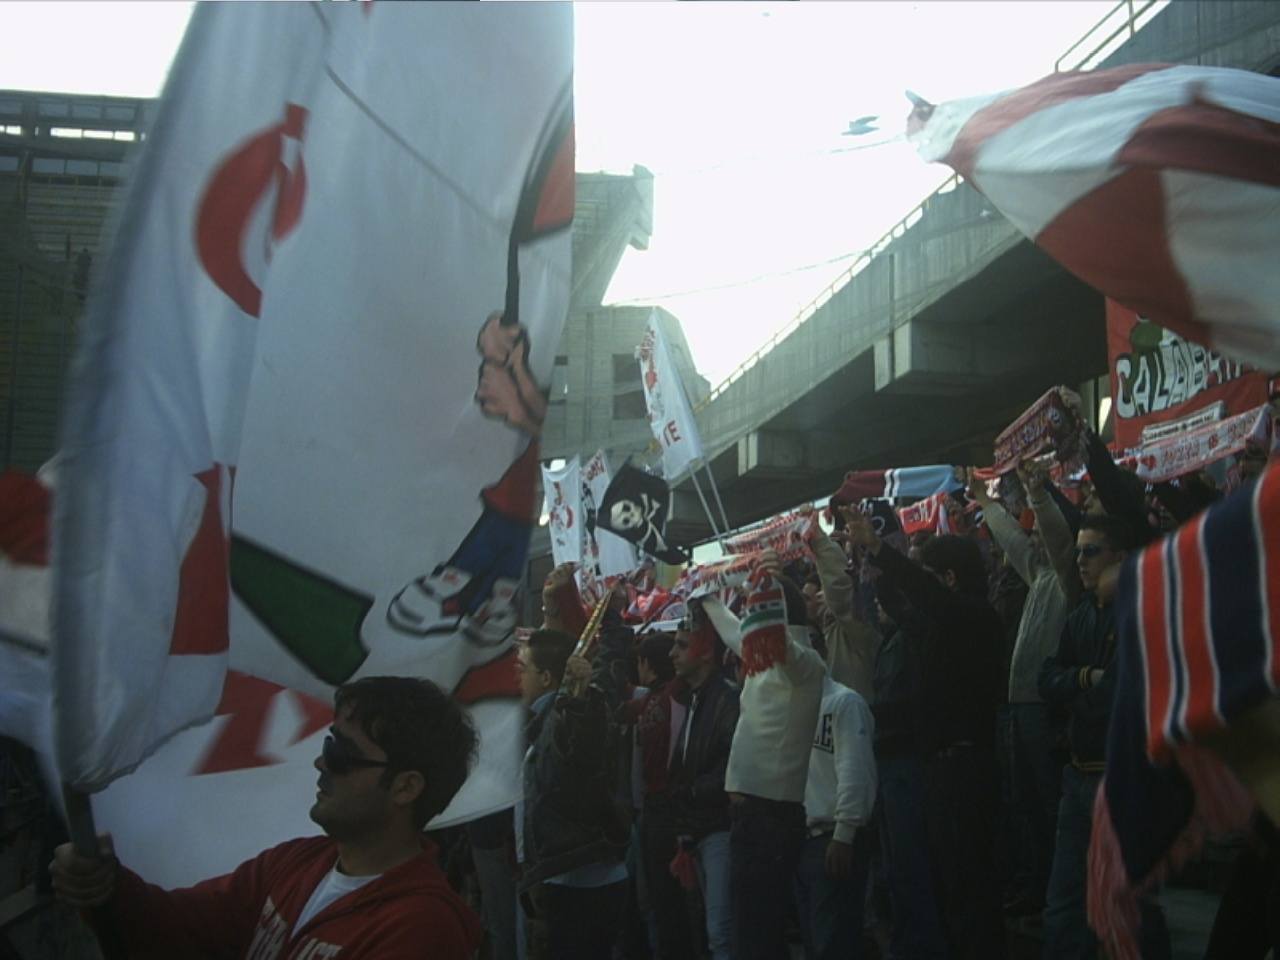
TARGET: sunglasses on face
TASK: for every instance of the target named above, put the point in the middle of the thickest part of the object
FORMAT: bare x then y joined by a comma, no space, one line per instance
681,642
341,757
1088,551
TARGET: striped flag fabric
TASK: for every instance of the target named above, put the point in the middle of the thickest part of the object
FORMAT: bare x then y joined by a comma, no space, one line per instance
1208,630
900,482
1155,183
1198,638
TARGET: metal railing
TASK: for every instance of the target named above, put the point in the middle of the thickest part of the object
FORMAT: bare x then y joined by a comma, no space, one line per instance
1133,13
1121,28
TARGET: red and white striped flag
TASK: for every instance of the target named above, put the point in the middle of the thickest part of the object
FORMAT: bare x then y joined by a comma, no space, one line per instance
1156,184
301,444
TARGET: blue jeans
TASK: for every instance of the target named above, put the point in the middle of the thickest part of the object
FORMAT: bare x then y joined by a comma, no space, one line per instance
916,933
830,910
673,939
497,900
1066,929
712,857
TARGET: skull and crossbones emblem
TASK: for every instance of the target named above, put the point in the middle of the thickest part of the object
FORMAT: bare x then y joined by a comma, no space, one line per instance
629,515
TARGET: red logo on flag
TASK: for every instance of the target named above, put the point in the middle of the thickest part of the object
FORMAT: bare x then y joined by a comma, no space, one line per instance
273,158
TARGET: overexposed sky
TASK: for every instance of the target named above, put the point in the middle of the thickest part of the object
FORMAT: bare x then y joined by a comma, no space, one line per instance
737,108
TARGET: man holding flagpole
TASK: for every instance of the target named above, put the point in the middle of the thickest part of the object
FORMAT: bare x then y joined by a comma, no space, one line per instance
398,751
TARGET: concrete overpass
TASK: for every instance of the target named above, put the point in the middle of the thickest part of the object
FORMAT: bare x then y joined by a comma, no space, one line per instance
947,328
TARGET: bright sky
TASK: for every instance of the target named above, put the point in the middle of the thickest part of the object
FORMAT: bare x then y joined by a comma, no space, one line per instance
735,107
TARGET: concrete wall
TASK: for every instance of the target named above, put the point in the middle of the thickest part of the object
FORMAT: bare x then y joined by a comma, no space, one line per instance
597,383
1244,34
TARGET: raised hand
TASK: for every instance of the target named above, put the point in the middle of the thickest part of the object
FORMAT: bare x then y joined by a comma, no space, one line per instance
1032,474
768,562
505,388
976,487
577,675
84,882
860,531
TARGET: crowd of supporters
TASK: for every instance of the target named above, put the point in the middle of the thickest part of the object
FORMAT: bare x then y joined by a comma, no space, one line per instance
879,746
867,744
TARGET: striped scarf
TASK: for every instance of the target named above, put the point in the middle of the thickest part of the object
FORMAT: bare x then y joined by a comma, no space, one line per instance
1198,620
764,624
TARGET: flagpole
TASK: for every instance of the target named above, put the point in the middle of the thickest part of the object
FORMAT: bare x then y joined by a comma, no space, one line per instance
693,475
711,478
84,836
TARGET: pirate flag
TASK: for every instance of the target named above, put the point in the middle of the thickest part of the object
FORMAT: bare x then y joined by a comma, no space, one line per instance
636,507
883,517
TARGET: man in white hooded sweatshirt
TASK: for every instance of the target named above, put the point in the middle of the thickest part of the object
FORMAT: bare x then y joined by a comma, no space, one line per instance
769,759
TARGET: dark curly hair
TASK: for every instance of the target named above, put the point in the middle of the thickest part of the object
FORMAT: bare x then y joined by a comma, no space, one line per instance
655,650
419,727
962,557
550,650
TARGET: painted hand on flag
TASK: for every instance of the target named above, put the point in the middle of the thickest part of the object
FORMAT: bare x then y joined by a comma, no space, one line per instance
505,388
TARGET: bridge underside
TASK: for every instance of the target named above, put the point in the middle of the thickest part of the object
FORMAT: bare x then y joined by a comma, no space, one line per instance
936,388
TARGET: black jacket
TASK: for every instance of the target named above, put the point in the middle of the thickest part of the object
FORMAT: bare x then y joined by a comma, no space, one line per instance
900,709
695,802
1088,641
960,662
572,812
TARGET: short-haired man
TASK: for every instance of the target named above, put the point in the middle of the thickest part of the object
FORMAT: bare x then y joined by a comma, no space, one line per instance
398,751
688,822
1079,677
769,757
571,832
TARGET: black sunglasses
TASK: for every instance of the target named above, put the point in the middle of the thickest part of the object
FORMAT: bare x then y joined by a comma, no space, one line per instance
1089,551
341,757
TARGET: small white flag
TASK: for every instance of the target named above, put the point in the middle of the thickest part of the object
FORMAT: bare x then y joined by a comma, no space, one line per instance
670,416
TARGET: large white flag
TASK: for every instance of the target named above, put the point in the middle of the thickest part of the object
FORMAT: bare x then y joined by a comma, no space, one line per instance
301,444
562,503
670,417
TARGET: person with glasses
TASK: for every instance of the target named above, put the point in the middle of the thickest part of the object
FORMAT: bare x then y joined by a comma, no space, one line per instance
1079,677
397,753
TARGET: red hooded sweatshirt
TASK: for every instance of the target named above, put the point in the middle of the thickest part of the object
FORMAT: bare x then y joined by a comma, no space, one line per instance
408,912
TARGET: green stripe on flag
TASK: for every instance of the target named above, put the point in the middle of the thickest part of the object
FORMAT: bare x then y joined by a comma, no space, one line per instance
315,618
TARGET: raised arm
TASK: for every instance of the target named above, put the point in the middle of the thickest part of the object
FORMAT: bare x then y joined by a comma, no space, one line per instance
1059,545
1006,532
852,646
561,602
832,564
727,625
921,588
